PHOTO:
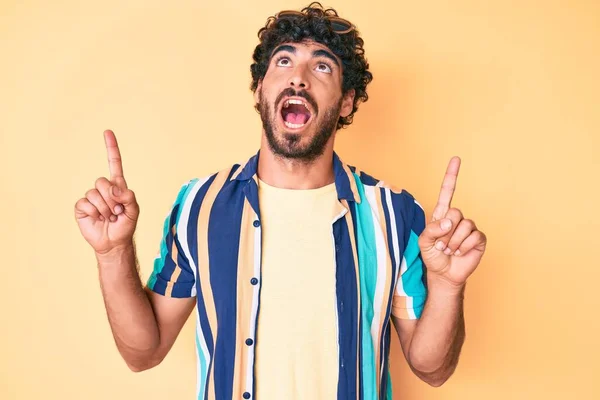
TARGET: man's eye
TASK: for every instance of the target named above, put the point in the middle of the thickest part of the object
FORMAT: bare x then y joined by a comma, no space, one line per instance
323,68
283,62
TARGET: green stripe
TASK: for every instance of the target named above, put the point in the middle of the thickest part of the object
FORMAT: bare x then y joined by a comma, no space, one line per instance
159,263
367,261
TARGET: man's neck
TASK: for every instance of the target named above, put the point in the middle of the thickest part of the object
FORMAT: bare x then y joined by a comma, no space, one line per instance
293,174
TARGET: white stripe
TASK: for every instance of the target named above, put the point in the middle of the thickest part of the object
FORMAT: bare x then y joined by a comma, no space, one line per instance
257,261
403,268
381,252
395,244
183,225
409,308
417,203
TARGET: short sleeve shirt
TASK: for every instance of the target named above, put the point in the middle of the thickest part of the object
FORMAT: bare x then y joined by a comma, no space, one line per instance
211,249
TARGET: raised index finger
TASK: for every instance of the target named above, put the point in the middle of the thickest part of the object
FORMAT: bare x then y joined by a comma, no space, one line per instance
447,190
115,165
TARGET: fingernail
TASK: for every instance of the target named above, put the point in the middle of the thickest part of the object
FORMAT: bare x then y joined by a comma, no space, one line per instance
446,224
101,218
116,191
118,209
447,251
113,218
457,253
440,245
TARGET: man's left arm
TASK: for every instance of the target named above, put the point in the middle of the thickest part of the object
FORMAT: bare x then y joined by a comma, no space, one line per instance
432,344
451,248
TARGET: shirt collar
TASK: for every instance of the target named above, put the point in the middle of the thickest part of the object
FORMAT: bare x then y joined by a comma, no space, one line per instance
345,182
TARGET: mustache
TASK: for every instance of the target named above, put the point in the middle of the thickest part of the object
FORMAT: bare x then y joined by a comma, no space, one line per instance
289,92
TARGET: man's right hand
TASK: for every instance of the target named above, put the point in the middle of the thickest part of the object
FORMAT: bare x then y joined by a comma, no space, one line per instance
108,214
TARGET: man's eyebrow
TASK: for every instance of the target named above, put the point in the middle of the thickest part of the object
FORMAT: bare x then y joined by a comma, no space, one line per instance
285,47
316,53
326,54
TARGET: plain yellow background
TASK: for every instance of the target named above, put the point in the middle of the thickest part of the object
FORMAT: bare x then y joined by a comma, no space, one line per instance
513,88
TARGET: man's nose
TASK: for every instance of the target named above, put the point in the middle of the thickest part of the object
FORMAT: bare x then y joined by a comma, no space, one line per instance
299,79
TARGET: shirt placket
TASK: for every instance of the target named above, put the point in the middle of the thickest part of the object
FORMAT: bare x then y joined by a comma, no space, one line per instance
251,193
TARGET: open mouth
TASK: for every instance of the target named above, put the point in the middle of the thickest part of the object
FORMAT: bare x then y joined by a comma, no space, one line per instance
295,113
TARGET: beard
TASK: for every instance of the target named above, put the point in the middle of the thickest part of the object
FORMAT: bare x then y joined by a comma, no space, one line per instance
289,145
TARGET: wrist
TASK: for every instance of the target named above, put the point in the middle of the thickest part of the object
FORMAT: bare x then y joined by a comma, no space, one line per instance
438,285
116,254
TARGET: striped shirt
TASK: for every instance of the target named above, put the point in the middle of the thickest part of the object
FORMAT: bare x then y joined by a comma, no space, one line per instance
211,249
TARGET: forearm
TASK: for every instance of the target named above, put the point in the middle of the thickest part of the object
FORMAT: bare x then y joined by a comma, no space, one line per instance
129,311
439,334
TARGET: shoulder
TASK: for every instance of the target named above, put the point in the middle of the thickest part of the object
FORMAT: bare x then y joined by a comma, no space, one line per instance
214,182
395,200
388,189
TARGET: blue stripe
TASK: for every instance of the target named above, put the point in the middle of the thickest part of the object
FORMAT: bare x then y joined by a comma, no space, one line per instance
160,263
347,303
165,265
223,249
410,223
367,179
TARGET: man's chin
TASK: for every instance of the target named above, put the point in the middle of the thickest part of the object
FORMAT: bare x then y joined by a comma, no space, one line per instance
290,145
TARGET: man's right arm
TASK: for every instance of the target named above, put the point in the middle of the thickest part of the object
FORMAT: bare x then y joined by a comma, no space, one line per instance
144,324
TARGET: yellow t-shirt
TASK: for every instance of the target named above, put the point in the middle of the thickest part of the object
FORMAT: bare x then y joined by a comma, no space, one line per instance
296,346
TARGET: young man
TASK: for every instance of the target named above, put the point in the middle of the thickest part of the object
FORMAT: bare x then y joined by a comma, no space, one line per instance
295,262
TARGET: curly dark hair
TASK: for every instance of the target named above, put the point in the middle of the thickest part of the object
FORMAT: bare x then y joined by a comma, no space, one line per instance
316,26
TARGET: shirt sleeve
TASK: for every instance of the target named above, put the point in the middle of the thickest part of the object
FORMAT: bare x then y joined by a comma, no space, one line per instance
172,274
410,292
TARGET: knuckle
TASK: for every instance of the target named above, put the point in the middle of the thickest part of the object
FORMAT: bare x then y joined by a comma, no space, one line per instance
103,185
456,212
481,236
469,223
92,193
130,195
80,204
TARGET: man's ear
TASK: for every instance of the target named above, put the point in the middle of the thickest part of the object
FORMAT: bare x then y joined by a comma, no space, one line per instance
347,103
257,92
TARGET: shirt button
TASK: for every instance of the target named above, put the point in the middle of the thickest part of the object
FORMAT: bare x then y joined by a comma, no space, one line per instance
254,281
249,342
256,224
246,395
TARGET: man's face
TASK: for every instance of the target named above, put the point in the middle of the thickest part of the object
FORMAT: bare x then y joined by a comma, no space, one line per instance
300,100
